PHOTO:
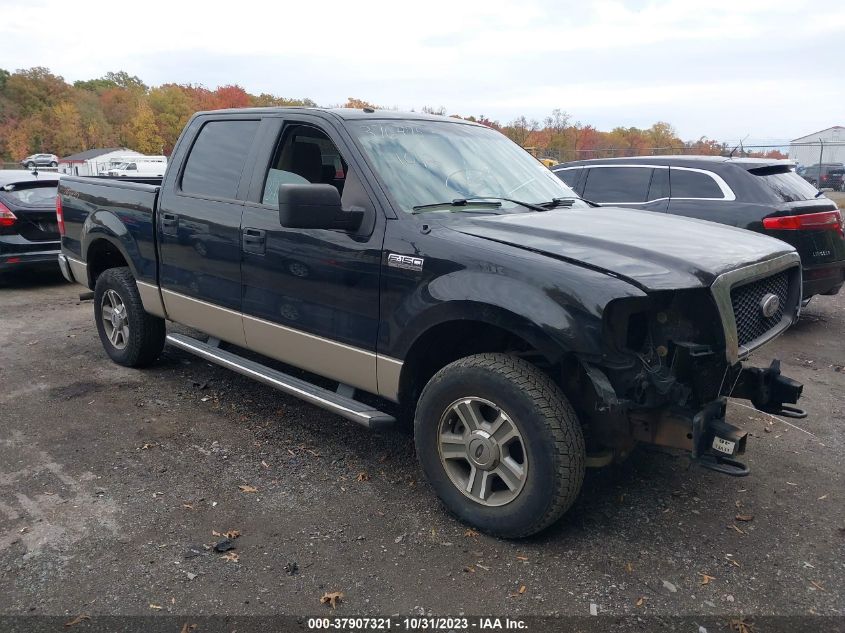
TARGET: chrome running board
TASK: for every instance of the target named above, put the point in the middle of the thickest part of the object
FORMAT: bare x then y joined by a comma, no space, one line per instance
331,401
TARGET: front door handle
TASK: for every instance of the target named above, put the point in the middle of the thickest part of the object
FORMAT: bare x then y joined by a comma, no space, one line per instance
254,240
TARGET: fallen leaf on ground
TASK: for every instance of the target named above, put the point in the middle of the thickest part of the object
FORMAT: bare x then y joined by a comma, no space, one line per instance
231,534
331,598
522,558
641,601
246,488
822,497
522,589
363,477
215,533
744,517
188,506
80,618
741,625
187,628
469,570
232,556
146,446
265,464
705,579
157,607
735,528
629,568
470,533
817,585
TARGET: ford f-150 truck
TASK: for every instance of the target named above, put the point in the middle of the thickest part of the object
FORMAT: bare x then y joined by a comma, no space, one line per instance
433,263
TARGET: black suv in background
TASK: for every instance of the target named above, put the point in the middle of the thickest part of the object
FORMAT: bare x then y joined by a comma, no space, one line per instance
29,233
761,195
824,176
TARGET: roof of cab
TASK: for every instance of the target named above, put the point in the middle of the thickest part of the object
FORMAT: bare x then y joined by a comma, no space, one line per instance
347,114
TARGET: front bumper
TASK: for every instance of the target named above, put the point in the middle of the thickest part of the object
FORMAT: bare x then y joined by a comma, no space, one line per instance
711,440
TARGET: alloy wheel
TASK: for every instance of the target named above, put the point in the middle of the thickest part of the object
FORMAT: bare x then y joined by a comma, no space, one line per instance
482,451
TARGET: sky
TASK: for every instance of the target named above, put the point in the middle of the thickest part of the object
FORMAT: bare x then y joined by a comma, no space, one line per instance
760,70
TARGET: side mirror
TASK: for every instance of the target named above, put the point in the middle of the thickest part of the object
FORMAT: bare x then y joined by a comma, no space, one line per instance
315,207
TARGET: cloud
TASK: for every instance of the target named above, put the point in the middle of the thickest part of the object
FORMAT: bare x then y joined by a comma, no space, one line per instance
724,68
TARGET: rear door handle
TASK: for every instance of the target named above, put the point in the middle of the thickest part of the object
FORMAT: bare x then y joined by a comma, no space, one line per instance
254,240
169,221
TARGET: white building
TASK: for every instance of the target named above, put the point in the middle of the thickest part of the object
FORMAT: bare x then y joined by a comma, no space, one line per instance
829,144
94,162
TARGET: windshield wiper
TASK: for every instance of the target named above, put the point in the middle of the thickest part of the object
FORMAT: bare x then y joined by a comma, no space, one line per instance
566,202
491,201
458,202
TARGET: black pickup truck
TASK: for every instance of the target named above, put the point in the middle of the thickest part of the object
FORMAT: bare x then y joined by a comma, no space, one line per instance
433,263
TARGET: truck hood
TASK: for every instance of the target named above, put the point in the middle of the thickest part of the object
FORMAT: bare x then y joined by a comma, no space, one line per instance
655,251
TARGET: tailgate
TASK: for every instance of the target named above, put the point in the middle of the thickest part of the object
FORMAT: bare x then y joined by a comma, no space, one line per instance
802,216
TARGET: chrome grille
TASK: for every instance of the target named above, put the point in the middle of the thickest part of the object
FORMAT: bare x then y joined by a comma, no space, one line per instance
751,324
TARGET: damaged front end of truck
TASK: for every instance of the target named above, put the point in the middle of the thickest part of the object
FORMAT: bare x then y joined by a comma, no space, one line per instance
676,357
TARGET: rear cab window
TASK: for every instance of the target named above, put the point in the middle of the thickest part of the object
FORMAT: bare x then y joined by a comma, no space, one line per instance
784,183
216,162
618,184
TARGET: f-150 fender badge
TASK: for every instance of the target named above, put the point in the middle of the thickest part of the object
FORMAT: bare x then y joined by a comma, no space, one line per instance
408,262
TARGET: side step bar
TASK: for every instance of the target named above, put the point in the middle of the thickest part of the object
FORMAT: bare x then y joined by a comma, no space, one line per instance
329,400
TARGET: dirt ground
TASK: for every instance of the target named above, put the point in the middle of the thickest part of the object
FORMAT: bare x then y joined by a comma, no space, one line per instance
113,480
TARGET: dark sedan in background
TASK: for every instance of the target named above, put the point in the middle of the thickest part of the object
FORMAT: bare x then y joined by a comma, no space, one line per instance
761,195
29,235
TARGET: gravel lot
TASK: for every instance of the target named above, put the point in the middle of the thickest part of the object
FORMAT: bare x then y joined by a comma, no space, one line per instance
112,480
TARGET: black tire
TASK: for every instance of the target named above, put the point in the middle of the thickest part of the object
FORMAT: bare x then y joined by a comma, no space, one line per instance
54,164
146,332
30,165
550,432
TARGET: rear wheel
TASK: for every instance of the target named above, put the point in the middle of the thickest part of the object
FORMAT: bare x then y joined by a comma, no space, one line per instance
500,444
130,336
54,164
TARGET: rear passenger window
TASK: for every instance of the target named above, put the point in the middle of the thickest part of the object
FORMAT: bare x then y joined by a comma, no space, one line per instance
617,184
217,158
694,184
569,176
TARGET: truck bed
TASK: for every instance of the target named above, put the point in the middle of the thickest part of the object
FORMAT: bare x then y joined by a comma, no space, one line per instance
119,210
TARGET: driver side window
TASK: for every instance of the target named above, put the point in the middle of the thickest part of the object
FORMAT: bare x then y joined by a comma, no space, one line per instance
304,155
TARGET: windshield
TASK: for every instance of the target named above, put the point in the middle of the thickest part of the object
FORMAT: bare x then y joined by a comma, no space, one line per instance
430,162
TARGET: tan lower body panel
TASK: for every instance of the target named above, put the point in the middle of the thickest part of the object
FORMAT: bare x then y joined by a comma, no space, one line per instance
388,371
337,361
151,299
227,325
346,364
79,270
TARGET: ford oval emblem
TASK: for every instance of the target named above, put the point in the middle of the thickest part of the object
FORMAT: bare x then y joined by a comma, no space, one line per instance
769,305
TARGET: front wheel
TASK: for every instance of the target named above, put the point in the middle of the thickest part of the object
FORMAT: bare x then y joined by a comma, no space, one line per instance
54,164
130,336
500,444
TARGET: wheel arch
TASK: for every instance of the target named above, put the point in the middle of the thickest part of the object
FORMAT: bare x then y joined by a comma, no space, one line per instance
465,328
